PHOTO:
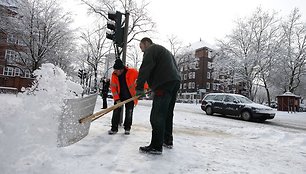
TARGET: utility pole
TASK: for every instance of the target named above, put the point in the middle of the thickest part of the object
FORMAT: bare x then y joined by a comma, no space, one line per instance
118,35
125,37
124,48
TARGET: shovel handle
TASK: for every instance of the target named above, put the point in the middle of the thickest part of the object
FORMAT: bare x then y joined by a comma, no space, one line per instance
107,110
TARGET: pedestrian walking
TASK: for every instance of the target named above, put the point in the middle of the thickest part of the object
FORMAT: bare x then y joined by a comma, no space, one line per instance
104,92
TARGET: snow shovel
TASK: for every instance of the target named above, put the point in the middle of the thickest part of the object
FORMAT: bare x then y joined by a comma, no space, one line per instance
70,130
77,116
99,114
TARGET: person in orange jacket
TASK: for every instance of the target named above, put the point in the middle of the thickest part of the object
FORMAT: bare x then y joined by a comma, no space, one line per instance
123,87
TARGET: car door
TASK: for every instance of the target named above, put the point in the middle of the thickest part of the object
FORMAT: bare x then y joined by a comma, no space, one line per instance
231,107
218,104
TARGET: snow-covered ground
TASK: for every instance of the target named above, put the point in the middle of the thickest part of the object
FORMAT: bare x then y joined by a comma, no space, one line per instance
202,144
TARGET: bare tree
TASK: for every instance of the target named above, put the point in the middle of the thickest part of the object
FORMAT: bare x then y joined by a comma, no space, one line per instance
43,29
96,48
63,56
293,55
139,21
239,47
268,51
134,56
254,45
175,45
266,45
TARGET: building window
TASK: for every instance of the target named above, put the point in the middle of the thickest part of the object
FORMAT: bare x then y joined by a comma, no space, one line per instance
9,71
214,86
193,85
21,42
17,72
11,39
191,75
182,68
27,74
207,85
9,55
186,67
185,76
192,65
208,75
185,85
209,54
209,65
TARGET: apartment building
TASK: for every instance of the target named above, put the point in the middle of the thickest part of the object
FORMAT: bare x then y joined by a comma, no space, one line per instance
13,70
198,75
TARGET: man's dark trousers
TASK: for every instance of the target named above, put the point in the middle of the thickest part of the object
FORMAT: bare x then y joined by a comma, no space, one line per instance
128,117
161,116
104,102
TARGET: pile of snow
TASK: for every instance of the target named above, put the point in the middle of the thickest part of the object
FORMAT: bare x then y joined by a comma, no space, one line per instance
28,130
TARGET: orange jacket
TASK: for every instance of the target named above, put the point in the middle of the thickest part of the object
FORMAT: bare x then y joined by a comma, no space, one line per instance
131,77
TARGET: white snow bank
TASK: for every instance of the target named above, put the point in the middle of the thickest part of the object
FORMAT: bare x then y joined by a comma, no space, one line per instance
28,129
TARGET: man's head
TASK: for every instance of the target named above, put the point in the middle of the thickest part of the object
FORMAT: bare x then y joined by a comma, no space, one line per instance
145,43
118,67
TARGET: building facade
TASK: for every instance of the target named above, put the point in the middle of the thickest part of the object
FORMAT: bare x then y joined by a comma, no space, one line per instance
13,70
199,78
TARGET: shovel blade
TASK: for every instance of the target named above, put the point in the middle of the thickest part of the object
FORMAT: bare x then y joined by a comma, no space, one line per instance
70,130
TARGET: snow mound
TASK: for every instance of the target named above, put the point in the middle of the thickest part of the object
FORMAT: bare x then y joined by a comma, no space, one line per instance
35,113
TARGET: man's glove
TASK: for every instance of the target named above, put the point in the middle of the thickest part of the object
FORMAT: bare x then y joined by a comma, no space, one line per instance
140,93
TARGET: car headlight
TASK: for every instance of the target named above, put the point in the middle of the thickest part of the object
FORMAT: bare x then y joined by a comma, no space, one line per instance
261,109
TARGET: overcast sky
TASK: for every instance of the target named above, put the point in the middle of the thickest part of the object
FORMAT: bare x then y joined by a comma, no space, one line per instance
194,19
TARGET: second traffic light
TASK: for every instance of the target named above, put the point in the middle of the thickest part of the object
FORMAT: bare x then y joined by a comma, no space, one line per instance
115,26
81,74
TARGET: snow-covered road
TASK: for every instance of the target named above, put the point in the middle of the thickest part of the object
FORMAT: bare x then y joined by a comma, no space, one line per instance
203,144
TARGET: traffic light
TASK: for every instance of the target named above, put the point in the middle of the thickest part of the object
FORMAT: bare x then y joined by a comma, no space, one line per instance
116,30
80,74
85,75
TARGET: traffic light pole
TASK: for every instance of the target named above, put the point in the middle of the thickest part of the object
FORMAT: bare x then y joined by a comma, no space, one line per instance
124,48
126,28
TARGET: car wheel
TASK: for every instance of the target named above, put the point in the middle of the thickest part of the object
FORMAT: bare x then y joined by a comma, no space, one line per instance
209,110
246,115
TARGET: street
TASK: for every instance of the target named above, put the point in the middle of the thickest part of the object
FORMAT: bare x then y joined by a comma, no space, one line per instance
282,120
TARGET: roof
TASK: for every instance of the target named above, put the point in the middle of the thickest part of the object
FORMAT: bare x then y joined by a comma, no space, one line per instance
289,94
200,44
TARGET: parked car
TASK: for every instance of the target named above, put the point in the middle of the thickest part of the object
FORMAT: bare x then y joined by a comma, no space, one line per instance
302,107
273,104
237,106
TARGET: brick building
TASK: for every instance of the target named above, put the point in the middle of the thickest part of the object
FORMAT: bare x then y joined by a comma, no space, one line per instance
198,76
13,70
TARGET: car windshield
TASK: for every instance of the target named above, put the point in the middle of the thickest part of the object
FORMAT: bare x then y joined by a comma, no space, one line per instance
209,97
243,99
